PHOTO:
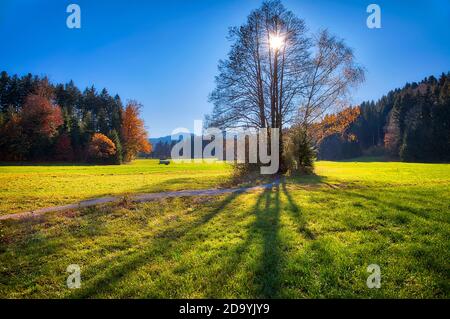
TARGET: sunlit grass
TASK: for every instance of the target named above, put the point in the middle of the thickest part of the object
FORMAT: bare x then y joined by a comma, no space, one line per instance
308,237
384,173
30,187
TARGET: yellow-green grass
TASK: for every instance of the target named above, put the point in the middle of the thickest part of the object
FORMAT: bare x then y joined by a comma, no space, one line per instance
308,237
376,174
36,186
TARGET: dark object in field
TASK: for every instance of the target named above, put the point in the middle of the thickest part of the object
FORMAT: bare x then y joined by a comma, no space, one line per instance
165,162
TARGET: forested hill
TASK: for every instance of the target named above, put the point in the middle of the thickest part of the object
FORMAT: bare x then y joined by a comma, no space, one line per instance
41,121
411,124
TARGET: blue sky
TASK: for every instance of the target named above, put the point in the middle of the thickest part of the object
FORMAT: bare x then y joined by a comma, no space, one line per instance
164,53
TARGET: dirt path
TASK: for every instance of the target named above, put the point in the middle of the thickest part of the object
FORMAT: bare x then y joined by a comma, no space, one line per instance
135,198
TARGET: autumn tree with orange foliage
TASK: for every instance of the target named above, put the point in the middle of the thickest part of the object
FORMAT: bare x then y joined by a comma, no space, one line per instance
101,148
134,135
335,124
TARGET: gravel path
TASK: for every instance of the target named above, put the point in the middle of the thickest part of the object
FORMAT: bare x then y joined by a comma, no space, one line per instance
135,198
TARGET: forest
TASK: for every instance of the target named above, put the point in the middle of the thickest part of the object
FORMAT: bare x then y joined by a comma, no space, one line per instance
40,121
410,124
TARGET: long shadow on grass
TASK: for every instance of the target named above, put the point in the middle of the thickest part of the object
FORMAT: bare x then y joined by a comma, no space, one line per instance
263,233
160,244
297,215
267,275
169,184
311,179
390,203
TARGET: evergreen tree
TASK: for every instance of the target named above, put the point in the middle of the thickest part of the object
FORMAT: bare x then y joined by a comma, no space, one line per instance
412,123
114,136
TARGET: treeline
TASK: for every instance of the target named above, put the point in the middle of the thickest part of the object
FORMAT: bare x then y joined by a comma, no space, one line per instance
411,124
162,149
41,121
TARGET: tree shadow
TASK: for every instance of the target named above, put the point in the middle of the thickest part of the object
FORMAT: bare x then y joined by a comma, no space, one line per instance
297,215
264,234
306,179
261,233
263,270
164,186
267,225
160,244
169,185
419,213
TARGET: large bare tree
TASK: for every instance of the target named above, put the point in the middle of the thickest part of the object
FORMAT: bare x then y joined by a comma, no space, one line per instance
276,73
332,73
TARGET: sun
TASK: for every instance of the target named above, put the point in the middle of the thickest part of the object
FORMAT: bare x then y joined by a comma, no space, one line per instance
276,42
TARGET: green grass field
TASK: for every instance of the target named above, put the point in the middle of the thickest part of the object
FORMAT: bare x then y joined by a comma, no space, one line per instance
308,237
30,187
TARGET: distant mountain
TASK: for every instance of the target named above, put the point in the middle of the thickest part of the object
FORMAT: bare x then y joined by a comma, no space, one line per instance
164,139
162,146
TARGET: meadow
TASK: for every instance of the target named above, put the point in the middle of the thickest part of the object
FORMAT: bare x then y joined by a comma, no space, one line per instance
310,236
28,187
